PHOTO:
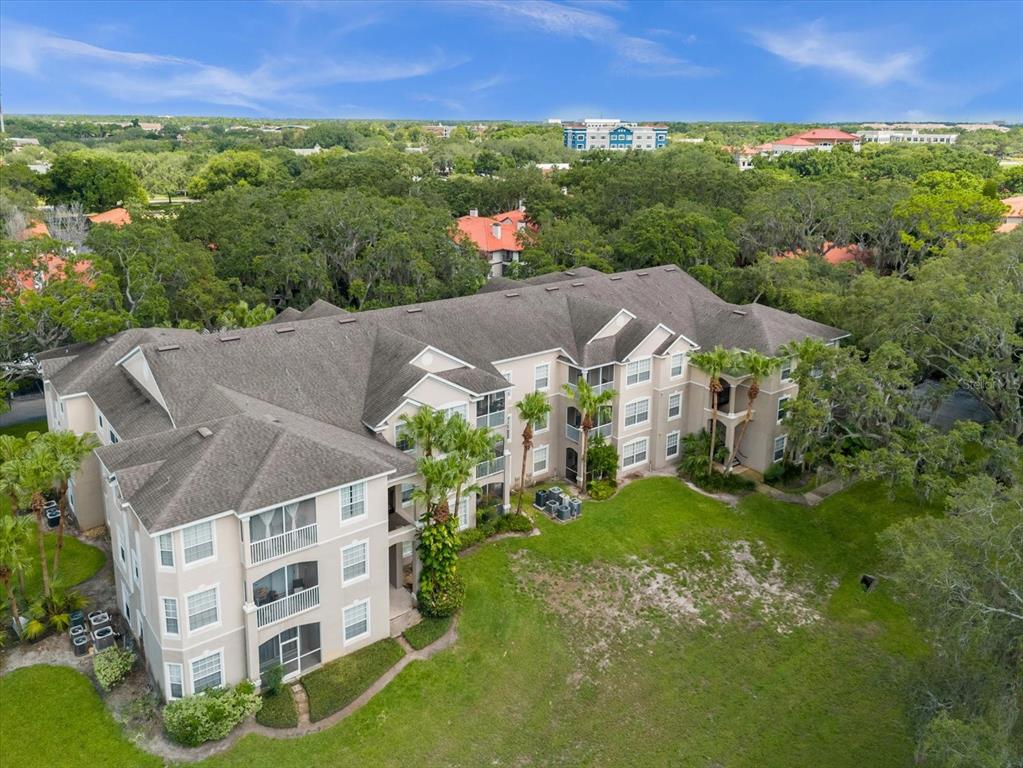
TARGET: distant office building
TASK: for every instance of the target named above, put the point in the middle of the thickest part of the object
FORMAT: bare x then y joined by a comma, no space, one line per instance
614,134
906,137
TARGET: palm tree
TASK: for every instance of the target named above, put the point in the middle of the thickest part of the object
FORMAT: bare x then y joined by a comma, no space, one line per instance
589,402
466,447
759,368
714,363
66,451
14,536
28,476
533,409
427,426
439,480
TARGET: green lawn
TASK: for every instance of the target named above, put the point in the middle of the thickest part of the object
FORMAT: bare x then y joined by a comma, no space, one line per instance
78,562
743,689
20,430
427,631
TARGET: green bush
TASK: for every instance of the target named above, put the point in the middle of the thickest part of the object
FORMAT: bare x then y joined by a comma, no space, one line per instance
427,631
210,715
441,597
716,482
602,489
334,686
272,679
601,460
514,522
781,473
278,710
112,666
469,537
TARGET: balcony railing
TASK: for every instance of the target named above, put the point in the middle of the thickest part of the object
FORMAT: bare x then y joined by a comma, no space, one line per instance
572,433
598,388
281,544
495,419
485,468
288,606
603,429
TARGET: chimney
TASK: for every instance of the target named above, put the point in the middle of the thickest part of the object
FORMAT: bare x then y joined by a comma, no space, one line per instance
522,205
495,230
474,212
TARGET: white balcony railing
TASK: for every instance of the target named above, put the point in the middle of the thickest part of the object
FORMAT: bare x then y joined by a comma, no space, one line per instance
598,388
603,429
281,544
486,468
572,433
492,420
288,606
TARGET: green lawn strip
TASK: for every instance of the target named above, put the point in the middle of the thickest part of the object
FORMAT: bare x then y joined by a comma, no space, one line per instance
427,631
339,683
78,562
279,710
51,717
20,430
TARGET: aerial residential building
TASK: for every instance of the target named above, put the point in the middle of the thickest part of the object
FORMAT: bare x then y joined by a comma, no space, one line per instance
438,130
257,484
906,137
614,134
1014,216
496,237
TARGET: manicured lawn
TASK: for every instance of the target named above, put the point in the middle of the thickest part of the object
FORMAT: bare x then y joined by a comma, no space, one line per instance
78,562
806,671
337,684
20,430
279,711
426,631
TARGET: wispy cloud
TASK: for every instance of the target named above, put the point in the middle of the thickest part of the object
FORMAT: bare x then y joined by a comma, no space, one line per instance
489,82
599,28
449,104
813,45
150,77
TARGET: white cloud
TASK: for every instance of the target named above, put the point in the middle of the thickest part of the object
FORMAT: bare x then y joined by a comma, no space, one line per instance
489,82
812,45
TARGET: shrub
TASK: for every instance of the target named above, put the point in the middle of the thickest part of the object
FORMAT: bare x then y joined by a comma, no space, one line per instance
427,631
334,686
780,473
601,489
601,459
278,710
514,522
441,597
272,679
210,715
112,666
469,537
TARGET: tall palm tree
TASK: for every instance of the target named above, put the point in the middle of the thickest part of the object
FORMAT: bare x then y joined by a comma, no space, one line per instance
533,409
466,447
14,535
589,402
66,451
28,476
427,426
714,363
439,480
759,367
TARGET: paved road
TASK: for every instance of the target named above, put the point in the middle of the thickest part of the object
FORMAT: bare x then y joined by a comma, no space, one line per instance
24,409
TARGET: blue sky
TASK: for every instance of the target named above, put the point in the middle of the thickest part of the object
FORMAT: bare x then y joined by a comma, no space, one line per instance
525,59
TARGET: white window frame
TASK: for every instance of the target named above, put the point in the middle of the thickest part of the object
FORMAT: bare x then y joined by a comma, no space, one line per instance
160,539
181,679
678,444
637,368
463,513
191,669
213,541
365,502
546,377
401,495
545,451
675,396
136,568
122,546
681,358
646,452
164,616
775,448
344,622
546,424
215,588
635,403
785,373
781,402
365,562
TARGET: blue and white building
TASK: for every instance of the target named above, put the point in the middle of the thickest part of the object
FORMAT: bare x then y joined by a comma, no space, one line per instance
614,134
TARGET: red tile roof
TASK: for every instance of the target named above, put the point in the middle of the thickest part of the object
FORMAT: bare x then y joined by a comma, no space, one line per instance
834,254
480,229
116,216
795,141
1015,211
827,134
34,229
50,266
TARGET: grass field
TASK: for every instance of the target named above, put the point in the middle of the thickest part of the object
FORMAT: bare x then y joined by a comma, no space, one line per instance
20,430
662,628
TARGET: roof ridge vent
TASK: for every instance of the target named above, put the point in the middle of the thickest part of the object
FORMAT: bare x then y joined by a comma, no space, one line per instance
578,283
616,277
642,274
204,432
551,288
570,273
229,336
285,329
346,320
413,310
740,312
670,269
168,347
511,295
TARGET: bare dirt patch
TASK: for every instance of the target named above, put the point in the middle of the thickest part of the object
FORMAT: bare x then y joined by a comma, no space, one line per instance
607,605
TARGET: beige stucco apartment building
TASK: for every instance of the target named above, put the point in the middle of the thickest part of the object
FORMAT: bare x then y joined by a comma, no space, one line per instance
256,484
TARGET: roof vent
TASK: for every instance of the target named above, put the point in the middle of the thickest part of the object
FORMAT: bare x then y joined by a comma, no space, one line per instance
413,310
205,432
551,288
642,274
670,269
740,312
168,347
616,277
346,320
577,284
511,295
229,336
285,329
570,273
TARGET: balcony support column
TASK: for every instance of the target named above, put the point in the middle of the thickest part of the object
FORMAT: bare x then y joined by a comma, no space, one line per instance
251,642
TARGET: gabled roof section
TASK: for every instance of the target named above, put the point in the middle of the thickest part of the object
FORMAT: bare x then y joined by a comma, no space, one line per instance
287,315
321,308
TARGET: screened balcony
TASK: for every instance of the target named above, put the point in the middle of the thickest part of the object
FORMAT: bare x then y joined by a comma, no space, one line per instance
278,531
285,592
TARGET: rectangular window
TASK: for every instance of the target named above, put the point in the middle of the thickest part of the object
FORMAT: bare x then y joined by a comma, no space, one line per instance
406,494
463,514
677,361
637,412
779,448
542,376
542,426
675,405
634,453
403,439
198,542
540,459
671,445
166,544
170,616
637,372
207,673
786,370
202,609
783,405
136,571
175,681
353,501
113,438
353,561
120,545
457,410
356,620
